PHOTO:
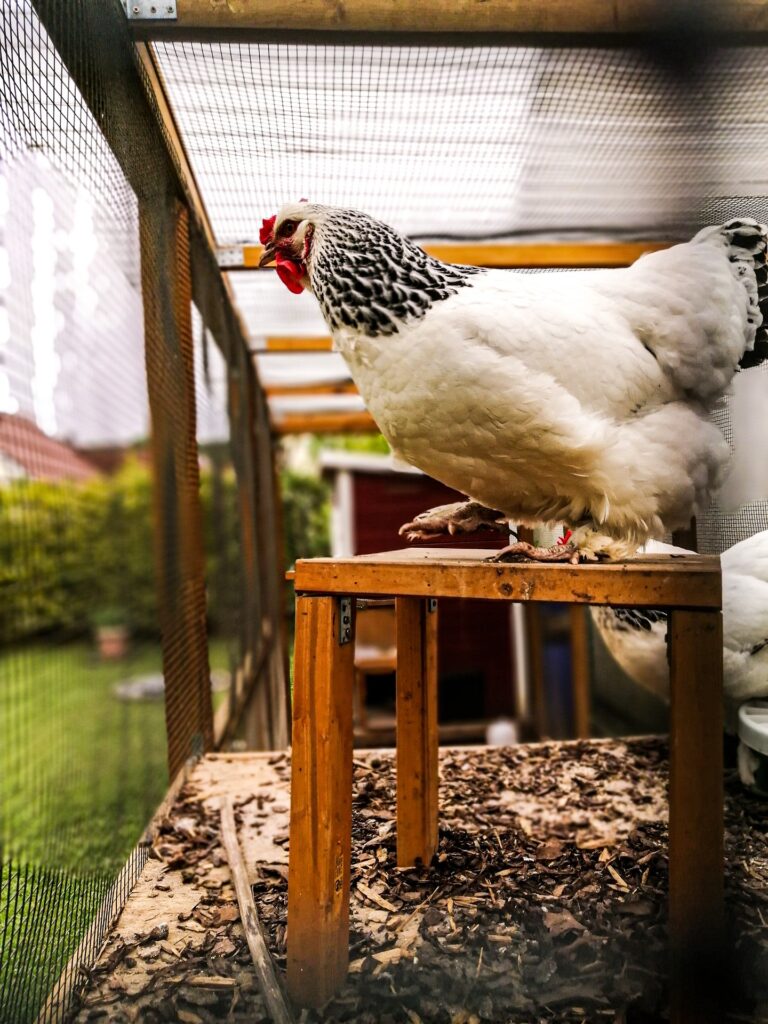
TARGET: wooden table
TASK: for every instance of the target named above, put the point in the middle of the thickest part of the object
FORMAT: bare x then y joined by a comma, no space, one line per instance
321,788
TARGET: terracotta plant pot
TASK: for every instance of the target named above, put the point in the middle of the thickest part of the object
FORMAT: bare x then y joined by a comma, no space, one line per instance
112,642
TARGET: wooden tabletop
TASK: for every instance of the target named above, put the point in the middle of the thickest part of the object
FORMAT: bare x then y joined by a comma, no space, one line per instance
691,581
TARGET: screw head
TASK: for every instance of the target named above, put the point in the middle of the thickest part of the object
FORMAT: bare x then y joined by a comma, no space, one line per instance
169,10
135,10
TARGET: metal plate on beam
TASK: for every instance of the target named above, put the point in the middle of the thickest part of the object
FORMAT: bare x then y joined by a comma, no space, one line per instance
345,620
150,10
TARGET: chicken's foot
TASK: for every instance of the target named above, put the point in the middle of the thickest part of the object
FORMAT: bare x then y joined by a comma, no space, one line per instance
458,517
524,552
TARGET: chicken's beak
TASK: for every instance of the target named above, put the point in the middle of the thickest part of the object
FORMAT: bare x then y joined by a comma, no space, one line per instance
268,255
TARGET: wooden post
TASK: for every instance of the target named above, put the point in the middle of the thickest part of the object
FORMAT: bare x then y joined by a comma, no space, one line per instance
534,642
580,675
416,730
321,802
687,538
537,697
696,911
167,296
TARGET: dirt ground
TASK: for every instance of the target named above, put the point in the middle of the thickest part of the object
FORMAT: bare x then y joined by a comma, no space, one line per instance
546,901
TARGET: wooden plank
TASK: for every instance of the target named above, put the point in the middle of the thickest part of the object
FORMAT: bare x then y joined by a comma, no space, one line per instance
649,581
417,738
346,387
288,344
556,18
580,671
696,911
321,804
278,1008
544,254
325,423
503,254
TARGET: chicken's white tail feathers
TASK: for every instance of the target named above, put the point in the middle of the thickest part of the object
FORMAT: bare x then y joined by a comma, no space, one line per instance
747,242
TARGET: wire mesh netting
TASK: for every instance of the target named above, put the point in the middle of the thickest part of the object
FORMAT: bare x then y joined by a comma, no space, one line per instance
474,142
225,577
82,761
478,142
125,463
466,141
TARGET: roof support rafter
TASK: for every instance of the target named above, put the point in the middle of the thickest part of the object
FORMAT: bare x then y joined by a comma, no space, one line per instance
510,255
325,423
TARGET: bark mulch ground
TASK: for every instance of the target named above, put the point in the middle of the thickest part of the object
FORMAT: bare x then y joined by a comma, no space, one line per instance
546,901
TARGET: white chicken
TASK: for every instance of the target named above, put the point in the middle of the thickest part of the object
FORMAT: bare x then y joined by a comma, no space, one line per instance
579,398
637,637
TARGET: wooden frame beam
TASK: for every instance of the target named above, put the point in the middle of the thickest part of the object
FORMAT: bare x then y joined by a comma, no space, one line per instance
326,423
274,733
288,344
347,387
566,22
175,146
174,140
512,255
650,581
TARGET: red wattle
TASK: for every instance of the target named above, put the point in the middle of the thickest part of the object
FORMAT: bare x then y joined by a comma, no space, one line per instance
267,227
290,273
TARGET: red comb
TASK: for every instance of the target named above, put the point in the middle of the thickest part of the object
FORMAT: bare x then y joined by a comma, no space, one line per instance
267,227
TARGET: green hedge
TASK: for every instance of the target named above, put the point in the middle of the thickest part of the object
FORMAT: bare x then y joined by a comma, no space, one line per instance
72,555
306,516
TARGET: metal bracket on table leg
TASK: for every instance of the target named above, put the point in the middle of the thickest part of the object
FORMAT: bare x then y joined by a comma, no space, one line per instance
345,620
431,604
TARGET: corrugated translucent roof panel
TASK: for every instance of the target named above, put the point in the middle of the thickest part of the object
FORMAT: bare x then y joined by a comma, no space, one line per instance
308,367
268,308
469,142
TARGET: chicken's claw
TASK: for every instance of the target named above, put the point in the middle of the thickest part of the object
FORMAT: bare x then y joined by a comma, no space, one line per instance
458,517
525,552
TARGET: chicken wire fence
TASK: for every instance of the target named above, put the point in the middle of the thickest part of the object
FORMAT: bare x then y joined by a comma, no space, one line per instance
469,142
451,142
132,496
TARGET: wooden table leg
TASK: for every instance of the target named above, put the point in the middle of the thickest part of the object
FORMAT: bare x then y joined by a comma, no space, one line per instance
321,802
696,862
580,670
534,639
416,730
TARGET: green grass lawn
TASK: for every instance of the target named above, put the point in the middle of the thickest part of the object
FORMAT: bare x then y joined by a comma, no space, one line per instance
81,773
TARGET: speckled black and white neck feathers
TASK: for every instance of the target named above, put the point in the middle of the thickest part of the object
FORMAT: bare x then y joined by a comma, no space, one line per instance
368,278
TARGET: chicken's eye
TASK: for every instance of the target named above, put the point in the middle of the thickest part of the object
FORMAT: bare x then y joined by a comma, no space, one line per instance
287,228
